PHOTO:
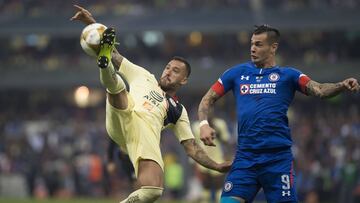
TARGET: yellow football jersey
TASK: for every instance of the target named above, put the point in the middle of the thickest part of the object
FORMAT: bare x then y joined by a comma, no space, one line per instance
137,129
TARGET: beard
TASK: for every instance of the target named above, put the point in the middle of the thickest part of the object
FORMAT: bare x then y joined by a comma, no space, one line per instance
166,86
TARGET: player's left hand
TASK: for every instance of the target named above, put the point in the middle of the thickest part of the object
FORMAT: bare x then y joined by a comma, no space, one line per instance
351,84
224,167
83,15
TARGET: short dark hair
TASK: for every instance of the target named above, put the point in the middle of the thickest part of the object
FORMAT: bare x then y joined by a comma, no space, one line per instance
273,34
187,64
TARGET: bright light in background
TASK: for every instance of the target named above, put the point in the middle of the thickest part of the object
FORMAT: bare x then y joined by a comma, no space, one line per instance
84,97
152,38
195,38
81,96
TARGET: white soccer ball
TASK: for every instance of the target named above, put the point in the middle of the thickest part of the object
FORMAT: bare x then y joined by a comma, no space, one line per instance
90,38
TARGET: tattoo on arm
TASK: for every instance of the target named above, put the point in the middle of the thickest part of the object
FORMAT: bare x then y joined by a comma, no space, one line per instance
207,103
194,150
116,59
324,90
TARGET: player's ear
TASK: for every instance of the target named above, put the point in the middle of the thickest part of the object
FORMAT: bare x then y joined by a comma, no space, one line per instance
274,47
184,81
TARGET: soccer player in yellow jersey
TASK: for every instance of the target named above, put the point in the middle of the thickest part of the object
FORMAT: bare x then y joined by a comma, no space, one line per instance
136,117
212,181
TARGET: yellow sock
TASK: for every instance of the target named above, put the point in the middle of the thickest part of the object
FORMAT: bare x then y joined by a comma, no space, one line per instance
113,83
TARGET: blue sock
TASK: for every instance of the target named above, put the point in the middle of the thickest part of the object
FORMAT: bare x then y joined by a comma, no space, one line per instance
229,200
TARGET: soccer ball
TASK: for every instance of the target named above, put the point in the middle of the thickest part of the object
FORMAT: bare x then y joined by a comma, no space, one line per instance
90,38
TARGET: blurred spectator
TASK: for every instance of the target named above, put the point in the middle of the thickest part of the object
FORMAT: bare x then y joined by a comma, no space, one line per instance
173,176
42,52
36,8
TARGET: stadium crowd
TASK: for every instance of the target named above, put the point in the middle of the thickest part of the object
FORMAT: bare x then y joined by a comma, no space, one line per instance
41,52
60,149
36,8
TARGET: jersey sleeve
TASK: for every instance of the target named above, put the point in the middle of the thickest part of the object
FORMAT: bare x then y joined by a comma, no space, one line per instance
196,130
224,83
131,71
182,127
299,80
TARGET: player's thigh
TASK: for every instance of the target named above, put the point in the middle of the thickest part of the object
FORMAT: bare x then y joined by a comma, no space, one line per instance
278,181
119,100
120,124
241,183
150,173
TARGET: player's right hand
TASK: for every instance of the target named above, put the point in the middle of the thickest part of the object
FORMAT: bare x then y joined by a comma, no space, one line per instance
351,84
83,15
207,135
225,167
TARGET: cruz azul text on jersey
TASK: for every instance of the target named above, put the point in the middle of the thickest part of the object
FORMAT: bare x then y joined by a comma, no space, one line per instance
262,88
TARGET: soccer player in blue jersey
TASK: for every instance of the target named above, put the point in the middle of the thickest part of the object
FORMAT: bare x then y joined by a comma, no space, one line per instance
263,91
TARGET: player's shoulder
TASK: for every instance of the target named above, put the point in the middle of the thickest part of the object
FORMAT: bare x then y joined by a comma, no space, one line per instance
246,65
239,68
289,70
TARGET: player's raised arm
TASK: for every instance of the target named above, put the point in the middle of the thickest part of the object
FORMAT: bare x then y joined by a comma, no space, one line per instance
207,134
327,90
83,15
195,151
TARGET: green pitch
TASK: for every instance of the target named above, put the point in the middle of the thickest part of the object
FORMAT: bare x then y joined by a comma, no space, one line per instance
93,200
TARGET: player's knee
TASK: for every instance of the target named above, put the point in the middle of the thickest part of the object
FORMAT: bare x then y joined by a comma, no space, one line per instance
231,200
150,173
150,193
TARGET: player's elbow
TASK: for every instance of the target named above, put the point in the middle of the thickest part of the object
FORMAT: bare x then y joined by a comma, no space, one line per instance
189,147
190,152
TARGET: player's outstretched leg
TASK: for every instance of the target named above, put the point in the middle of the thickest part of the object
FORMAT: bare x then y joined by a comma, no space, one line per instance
108,76
107,44
150,177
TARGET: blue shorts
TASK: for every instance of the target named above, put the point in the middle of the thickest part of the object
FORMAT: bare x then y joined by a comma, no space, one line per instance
277,179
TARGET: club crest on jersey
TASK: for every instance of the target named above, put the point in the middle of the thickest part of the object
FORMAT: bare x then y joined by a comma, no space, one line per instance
244,88
228,186
273,77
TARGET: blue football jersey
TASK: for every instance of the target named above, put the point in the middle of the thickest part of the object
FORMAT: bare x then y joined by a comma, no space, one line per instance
263,96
